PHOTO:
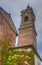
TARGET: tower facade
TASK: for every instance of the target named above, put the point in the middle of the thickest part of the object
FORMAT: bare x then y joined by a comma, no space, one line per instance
27,33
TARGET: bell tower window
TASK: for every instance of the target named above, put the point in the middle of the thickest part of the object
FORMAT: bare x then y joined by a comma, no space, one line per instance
26,18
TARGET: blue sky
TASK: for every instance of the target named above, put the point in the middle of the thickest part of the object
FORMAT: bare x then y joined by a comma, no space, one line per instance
14,7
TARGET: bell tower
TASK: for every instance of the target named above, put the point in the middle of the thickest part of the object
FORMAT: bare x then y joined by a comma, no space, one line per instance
27,32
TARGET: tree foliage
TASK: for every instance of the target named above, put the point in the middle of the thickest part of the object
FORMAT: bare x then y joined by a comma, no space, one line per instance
15,57
20,58
4,52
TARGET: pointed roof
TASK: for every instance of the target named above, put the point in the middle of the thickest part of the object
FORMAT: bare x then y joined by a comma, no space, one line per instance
8,19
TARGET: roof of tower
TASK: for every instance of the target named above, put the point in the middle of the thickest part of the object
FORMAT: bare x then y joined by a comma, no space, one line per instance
28,9
8,19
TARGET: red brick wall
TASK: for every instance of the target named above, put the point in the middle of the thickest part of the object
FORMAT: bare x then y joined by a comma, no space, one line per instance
6,33
27,37
27,33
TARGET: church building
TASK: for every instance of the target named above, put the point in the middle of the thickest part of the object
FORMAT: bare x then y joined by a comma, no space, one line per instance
26,52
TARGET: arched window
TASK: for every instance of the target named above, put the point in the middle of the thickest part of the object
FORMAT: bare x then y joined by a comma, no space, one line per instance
26,18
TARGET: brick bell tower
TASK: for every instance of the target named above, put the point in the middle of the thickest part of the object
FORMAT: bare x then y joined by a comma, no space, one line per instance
27,33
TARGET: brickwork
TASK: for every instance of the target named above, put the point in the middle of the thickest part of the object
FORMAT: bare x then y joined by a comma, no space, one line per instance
27,37
27,33
7,28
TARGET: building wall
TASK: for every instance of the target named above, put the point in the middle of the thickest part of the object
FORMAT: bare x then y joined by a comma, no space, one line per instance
6,33
37,60
27,37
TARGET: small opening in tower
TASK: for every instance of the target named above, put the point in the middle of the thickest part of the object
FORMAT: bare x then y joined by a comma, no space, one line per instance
26,18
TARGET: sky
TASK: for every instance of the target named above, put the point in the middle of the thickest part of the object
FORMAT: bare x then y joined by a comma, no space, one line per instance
14,7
